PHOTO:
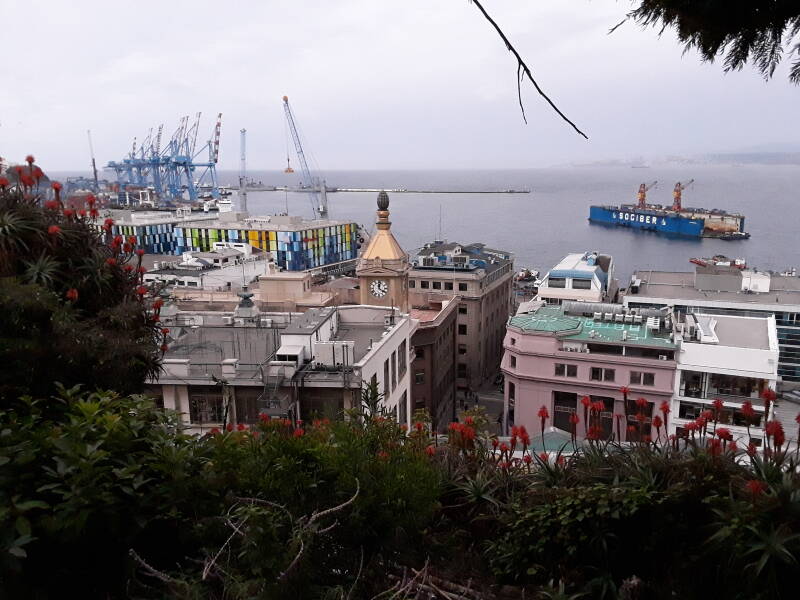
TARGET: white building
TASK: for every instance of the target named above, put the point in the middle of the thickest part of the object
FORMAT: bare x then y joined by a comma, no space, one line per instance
587,277
732,358
223,269
304,366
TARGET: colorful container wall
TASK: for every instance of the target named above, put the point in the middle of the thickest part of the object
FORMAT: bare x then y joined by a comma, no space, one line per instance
293,250
155,239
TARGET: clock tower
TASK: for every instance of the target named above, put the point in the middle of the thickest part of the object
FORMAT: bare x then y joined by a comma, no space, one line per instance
383,267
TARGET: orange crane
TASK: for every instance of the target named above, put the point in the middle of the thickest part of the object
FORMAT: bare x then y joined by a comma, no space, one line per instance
676,194
642,195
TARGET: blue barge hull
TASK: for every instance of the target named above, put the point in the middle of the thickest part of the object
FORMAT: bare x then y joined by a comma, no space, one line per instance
649,220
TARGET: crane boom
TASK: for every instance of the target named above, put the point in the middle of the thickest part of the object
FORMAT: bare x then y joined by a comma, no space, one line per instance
94,165
316,188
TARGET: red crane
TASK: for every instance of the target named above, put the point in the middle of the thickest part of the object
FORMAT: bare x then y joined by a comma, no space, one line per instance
642,195
676,194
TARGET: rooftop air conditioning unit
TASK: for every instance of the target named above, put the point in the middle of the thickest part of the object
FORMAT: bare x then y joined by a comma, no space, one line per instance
227,320
598,316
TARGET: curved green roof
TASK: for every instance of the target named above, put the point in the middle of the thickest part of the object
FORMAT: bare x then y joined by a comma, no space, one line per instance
547,320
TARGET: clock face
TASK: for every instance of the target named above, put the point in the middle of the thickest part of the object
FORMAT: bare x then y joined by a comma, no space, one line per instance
378,288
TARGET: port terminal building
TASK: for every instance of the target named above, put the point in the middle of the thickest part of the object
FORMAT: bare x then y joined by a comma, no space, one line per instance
728,290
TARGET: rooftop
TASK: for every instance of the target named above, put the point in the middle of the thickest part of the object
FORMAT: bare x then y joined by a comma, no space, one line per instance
552,319
233,220
361,334
309,321
210,345
679,285
736,332
450,255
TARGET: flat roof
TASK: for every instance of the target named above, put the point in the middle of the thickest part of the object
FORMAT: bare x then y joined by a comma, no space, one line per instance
737,332
362,335
678,285
210,345
267,223
309,321
551,319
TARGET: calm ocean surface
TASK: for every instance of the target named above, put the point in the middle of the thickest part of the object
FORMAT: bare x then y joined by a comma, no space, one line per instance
551,221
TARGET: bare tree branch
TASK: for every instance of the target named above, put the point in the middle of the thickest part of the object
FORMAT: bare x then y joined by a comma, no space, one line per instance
522,69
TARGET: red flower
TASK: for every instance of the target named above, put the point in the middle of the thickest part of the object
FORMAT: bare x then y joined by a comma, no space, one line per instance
717,404
418,426
733,447
495,443
127,248
525,439
51,205
641,403
68,213
543,414
117,241
714,447
158,304
772,428
127,268
751,449
56,185
3,183
241,427
403,427
72,295
664,408
263,417
797,418
109,223
469,421
29,159
598,406
624,390
165,331
54,230
229,427
693,426
561,460
756,487
139,252
586,401
82,212
430,450
573,418
132,240
93,213
748,411
504,447
631,429
90,200
657,422
527,458
164,348
640,417
141,290
724,434
514,431
594,433
214,431
468,433
298,433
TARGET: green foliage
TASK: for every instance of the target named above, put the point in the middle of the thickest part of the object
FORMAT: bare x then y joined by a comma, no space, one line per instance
743,30
106,336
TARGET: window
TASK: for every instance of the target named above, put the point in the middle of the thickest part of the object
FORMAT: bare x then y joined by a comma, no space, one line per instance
462,287
419,377
402,415
581,284
512,390
462,348
513,362
462,309
513,341
424,284
448,285
386,378
556,282
437,285
462,329
564,404
394,370
563,370
419,352
640,378
412,283
402,354
461,371
205,404
598,374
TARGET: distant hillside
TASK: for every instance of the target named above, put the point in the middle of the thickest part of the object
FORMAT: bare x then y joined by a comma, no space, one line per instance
756,158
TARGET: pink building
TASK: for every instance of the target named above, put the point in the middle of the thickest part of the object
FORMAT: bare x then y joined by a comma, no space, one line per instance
555,355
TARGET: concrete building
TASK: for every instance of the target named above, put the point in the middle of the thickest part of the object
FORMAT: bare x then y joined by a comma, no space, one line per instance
383,265
729,291
555,355
433,370
587,277
228,368
482,277
732,358
296,244
222,270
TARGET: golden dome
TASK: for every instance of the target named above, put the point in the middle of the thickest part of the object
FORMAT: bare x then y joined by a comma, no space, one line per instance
383,245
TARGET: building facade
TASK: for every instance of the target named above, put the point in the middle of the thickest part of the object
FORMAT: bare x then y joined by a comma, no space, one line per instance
556,355
154,230
729,291
587,277
731,358
482,277
230,368
433,370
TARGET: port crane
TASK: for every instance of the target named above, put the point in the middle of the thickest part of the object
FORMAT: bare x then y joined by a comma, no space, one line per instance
676,194
243,170
313,184
642,195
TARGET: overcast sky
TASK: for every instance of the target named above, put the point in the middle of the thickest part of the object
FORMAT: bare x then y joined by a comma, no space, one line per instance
375,84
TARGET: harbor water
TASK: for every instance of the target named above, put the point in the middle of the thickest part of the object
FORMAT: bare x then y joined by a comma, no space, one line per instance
551,221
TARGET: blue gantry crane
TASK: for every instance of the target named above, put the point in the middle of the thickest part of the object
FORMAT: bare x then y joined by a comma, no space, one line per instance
311,183
177,170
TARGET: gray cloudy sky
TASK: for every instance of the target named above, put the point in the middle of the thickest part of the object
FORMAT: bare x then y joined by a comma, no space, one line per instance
375,84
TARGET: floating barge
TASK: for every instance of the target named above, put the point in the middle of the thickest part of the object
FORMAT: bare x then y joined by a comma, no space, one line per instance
675,220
